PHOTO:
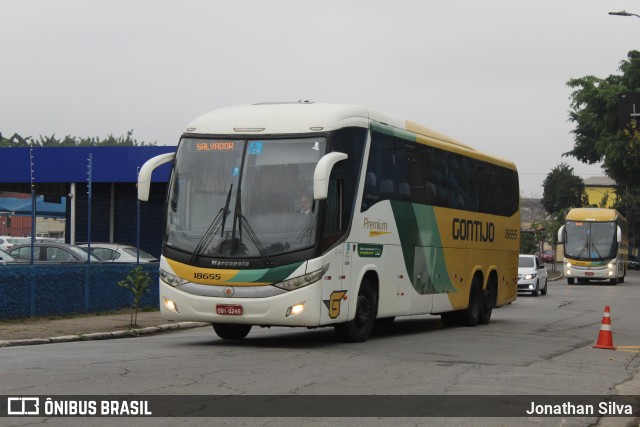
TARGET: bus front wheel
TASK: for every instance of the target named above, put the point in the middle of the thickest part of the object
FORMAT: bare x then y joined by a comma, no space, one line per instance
229,331
359,329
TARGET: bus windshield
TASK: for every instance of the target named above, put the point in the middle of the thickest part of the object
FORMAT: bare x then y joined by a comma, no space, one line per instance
591,240
243,197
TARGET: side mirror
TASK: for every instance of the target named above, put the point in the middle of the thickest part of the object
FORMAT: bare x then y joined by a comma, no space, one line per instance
619,235
561,235
144,176
322,172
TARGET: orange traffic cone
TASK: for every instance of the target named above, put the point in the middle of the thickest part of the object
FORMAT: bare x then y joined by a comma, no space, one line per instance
605,339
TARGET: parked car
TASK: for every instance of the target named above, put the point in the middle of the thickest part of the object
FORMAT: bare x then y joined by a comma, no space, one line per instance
51,252
7,242
116,252
5,257
532,275
547,256
632,263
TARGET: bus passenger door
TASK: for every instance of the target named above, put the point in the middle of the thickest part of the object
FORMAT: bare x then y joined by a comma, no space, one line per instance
335,288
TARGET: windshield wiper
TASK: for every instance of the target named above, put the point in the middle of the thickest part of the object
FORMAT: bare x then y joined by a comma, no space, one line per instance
253,237
307,231
218,222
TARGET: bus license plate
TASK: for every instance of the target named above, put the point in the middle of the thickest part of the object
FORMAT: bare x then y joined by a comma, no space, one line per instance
229,309
588,273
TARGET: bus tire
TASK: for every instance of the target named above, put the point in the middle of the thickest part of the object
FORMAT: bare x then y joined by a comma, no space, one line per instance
488,299
571,281
471,316
228,331
359,329
613,281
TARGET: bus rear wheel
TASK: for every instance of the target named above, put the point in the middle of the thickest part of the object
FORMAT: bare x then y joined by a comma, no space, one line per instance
471,316
488,298
359,329
230,331
477,312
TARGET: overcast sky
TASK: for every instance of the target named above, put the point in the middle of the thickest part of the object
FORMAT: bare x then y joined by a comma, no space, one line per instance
490,73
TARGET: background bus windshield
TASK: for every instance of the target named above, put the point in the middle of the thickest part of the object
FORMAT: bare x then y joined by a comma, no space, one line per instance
590,240
223,205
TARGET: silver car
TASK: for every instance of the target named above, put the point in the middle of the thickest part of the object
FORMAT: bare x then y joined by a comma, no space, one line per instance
532,275
116,252
50,252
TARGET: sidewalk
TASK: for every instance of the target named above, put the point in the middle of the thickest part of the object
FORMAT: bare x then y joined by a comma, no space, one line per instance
85,327
97,327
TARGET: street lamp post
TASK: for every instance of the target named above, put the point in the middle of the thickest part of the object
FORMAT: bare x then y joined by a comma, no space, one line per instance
623,13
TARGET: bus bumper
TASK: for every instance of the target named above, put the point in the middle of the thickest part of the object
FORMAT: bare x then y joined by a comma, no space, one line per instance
606,273
279,310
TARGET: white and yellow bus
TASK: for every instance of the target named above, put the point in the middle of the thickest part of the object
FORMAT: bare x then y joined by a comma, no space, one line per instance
402,220
596,244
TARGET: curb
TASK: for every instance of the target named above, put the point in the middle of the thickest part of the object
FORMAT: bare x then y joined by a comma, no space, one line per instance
129,333
555,277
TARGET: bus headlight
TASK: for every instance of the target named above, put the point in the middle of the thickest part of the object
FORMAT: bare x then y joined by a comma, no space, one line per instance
171,305
302,281
171,279
611,265
295,309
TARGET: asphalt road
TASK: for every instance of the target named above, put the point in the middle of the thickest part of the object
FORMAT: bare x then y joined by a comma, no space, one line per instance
536,345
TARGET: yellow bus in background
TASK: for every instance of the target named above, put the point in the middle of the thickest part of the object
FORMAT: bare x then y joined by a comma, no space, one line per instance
596,244
309,214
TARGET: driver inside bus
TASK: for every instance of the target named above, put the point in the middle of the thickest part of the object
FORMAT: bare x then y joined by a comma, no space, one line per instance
304,206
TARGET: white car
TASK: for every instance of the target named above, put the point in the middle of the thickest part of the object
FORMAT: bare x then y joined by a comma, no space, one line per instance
5,257
116,252
532,275
7,242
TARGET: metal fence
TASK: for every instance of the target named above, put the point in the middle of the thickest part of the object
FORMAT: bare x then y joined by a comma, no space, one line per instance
63,289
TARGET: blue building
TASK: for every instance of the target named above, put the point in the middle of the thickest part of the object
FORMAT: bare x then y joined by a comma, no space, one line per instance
61,175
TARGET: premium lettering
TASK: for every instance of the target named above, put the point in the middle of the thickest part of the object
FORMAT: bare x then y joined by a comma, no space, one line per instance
375,225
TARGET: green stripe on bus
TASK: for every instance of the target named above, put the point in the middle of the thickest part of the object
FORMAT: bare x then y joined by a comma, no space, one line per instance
422,248
265,275
278,274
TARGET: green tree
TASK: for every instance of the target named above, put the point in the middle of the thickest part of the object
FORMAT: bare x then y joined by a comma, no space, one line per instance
562,190
594,111
72,141
528,242
137,281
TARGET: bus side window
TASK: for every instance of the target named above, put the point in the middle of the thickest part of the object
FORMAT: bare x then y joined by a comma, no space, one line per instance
370,196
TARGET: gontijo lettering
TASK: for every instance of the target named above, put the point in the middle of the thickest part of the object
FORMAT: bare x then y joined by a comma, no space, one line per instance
478,231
